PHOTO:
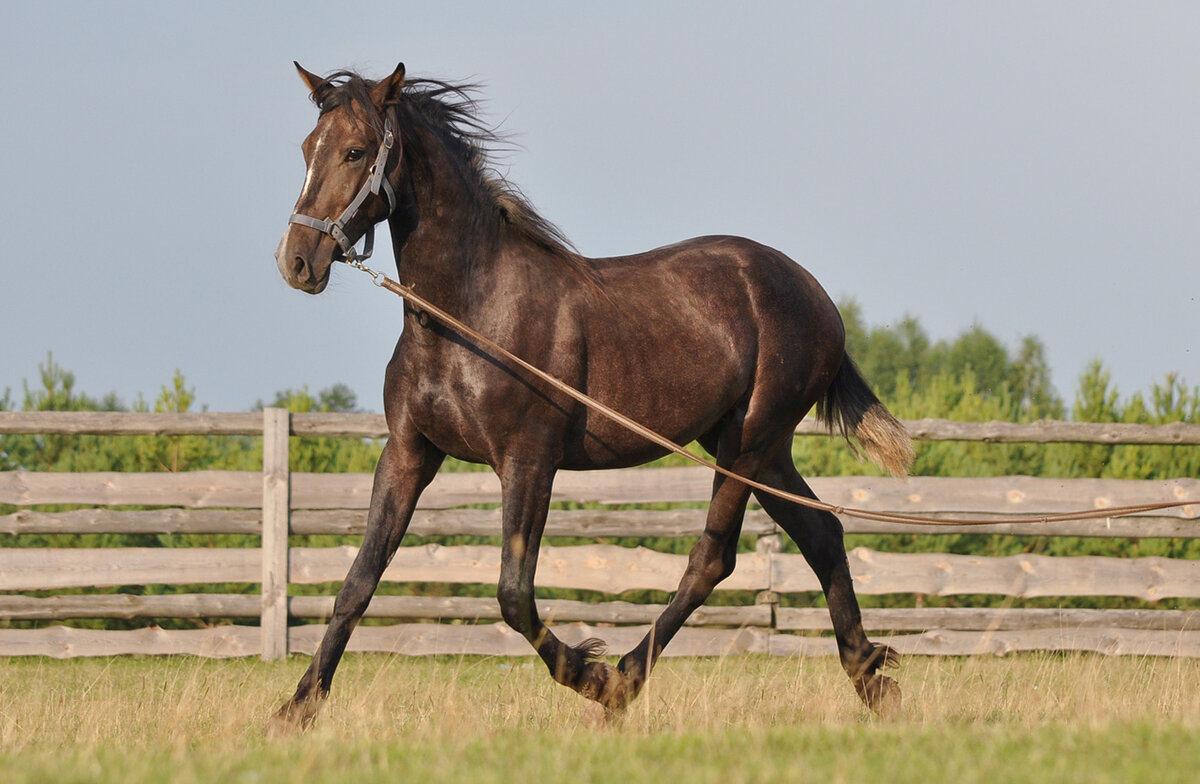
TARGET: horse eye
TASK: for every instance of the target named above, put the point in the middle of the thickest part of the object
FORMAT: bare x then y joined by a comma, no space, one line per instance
354,154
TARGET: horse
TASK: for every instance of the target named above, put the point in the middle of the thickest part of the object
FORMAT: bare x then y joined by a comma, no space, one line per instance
717,340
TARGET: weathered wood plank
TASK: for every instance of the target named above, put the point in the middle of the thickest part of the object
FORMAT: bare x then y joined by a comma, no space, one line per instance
613,569
420,639
374,426
197,489
425,639
63,642
995,619
157,521
637,523
1110,642
1136,526
276,508
918,495
1047,431
1012,495
127,606
551,610
579,523
598,523
128,423
1024,575
606,568
47,568
1040,432
1003,495
498,640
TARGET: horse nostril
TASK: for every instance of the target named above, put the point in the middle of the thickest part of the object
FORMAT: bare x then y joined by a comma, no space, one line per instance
299,267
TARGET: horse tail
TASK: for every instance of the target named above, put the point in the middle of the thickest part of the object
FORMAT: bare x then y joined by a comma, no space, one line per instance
850,407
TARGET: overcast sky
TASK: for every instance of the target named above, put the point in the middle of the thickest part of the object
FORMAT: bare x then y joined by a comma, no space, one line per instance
1030,167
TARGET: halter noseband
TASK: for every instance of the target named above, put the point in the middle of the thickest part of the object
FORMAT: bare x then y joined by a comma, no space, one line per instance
375,182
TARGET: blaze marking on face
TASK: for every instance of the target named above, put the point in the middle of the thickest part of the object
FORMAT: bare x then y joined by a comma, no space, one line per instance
316,155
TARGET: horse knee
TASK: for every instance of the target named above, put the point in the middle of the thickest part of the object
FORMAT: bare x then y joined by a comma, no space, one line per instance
722,566
516,604
706,570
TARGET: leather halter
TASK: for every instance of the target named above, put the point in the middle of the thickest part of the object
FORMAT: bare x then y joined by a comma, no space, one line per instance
375,182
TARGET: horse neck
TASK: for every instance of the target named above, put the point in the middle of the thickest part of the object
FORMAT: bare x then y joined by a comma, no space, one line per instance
443,235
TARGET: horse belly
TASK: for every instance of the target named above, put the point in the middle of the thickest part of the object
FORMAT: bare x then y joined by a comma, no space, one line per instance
679,386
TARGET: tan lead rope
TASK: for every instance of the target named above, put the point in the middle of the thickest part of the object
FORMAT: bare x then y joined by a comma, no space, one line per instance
420,302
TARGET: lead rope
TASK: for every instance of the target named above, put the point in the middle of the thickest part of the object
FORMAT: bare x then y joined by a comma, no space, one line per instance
383,281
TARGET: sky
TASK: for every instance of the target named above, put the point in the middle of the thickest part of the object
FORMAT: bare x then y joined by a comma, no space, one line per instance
1033,168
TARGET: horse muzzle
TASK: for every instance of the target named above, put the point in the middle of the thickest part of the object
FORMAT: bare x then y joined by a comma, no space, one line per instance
305,266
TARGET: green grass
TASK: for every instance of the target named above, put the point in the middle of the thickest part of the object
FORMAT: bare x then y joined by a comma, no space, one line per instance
738,719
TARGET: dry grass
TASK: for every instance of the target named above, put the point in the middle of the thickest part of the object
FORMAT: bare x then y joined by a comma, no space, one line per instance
480,719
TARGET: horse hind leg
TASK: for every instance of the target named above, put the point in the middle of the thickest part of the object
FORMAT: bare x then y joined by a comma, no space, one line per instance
819,536
711,560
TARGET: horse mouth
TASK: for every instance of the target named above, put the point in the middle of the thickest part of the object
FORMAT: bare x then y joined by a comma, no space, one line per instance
298,268
313,286
302,277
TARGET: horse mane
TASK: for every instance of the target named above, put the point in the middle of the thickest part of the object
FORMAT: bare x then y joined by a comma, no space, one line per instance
452,111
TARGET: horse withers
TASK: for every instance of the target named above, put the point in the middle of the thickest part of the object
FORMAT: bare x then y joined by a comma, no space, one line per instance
718,340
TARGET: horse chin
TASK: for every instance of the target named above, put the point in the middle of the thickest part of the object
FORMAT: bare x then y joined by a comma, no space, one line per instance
315,288
312,283
317,282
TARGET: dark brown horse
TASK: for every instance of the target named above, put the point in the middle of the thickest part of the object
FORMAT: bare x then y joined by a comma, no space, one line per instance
716,339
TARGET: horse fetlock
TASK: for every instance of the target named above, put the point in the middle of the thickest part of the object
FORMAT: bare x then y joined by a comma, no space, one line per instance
296,715
607,685
635,670
863,663
878,692
881,694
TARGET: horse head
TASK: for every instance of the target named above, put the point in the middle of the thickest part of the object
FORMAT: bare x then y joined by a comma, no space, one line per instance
346,191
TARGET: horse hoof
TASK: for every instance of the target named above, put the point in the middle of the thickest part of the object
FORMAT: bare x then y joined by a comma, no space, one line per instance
608,686
281,727
882,695
292,719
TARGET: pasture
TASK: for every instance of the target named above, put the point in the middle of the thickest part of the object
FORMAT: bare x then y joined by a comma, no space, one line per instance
1030,717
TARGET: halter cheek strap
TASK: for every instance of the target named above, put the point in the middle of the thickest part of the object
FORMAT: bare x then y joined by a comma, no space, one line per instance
375,182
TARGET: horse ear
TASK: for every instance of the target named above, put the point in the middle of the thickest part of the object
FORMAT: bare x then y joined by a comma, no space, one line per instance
311,80
388,90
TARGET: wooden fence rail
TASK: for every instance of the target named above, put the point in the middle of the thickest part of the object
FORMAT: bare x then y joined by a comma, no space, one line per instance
373,426
275,503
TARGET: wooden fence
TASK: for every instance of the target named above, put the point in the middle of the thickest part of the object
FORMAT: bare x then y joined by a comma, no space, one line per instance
275,502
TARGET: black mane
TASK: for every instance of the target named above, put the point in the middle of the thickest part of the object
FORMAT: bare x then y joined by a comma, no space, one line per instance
453,111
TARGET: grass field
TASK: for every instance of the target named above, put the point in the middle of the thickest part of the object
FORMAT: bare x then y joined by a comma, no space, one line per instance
738,719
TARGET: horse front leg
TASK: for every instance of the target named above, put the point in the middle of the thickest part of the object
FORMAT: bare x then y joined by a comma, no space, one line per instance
526,491
402,473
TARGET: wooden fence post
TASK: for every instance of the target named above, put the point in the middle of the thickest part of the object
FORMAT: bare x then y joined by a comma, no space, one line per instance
276,509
